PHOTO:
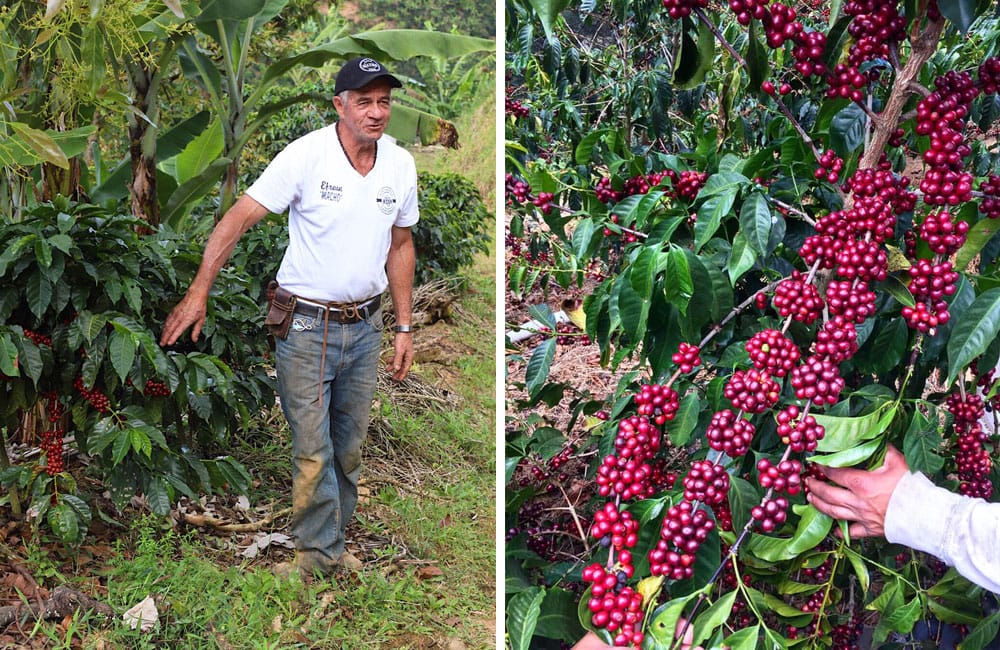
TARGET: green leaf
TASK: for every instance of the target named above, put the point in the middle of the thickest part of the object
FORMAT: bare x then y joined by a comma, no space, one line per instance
122,347
846,432
962,13
745,639
847,130
523,611
187,194
848,457
706,623
895,288
585,234
558,619
158,496
678,285
43,253
901,619
663,624
756,221
723,183
140,442
41,144
8,356
90,325
710,216
123,443
984,632
643,272
633,308
979,325
199,154
695,58
62,519
921,445
742,497
741,258
38,291
979,234
538,366
812,529
757,63
685,421
860,569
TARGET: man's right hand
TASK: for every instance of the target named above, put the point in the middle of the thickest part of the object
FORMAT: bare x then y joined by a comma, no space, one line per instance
189,312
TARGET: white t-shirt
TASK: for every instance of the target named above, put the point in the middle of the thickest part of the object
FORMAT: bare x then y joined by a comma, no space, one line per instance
339,222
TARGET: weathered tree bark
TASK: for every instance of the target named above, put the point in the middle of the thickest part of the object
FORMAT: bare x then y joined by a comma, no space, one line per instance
62,602
924,44
142,144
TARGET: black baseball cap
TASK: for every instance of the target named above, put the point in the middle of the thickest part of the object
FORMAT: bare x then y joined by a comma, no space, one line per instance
361,71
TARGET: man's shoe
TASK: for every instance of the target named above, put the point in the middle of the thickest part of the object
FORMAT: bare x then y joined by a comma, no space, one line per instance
350,563
285,570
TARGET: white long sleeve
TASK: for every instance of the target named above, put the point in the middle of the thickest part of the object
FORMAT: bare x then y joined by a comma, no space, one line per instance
962,531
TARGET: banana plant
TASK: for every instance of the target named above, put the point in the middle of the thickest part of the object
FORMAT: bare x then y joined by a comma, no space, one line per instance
231,24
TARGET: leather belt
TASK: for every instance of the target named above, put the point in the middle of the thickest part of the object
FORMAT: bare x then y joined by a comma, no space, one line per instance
339,312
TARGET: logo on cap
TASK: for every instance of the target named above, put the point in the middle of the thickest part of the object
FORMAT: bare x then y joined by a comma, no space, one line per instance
369,65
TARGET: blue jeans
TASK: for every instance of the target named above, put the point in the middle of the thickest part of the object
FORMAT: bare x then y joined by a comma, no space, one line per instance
328,418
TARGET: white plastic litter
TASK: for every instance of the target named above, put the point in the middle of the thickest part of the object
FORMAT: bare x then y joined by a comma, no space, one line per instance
143,615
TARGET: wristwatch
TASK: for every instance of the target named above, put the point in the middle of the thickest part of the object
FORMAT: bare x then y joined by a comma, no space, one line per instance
403,329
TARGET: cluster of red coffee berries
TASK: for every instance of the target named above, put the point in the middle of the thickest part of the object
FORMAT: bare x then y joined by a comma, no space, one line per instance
772,351
515,107
990,203
37,338
52,439
941,115
626,474
155,389
687,357
657,401
613,605
96,398
517,190
796,298
830,165
972,460
800,432
682,8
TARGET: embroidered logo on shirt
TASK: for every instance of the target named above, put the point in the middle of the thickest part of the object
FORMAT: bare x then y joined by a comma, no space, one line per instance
386,200
330,192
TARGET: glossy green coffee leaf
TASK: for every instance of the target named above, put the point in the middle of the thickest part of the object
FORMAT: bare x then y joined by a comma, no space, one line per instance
523,611
847,432
979,325
848,457
812,528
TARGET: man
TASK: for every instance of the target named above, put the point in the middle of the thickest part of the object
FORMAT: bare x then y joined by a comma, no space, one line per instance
352,197
906,508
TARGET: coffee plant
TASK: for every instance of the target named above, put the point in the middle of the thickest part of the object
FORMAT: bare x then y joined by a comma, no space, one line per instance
83,378
784,220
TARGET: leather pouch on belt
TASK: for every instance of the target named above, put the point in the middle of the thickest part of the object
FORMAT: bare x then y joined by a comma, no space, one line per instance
280,309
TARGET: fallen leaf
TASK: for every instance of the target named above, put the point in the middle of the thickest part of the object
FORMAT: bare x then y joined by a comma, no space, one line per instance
276,624
445,522
426,572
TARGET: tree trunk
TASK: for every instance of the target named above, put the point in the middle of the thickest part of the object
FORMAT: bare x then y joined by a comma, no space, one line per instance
142,145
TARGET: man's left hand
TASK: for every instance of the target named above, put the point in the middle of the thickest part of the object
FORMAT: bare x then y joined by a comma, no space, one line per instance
402,358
